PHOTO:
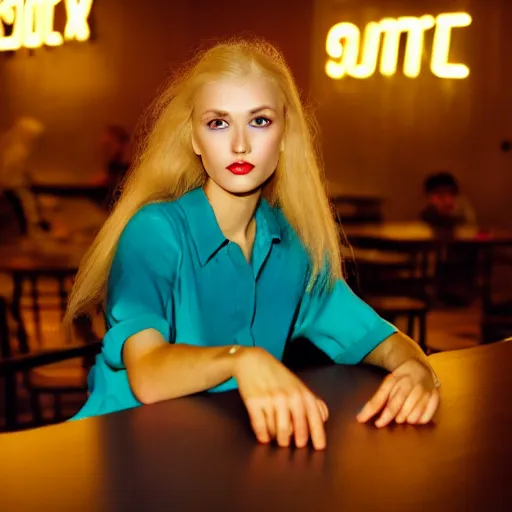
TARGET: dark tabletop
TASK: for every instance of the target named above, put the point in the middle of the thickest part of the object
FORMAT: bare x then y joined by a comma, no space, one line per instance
198,453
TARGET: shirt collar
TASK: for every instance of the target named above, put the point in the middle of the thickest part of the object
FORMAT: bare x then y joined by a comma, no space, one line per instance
266,221
205,231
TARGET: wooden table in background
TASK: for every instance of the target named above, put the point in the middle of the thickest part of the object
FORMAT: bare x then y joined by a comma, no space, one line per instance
28,260
408,234
198,453
420,238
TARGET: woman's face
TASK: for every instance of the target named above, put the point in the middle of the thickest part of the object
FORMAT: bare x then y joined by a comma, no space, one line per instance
237,129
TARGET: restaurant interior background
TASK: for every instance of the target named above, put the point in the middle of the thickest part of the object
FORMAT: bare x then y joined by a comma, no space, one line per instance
380,136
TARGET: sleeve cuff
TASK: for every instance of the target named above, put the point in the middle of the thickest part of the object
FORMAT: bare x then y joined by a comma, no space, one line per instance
115,337
358,351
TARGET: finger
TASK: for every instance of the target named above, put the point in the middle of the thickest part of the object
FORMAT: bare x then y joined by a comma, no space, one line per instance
431,408
258,422
270,418
324,410
418,411
395,403
409,404
376,403
316,425
300,421
284,426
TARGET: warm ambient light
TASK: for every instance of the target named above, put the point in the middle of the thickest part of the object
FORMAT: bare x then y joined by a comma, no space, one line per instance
32,23
350,58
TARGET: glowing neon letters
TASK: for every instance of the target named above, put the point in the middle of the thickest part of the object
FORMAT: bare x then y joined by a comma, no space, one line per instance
348,57
32,23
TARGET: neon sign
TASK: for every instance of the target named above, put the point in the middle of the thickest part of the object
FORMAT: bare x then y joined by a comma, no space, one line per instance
349,58
32,23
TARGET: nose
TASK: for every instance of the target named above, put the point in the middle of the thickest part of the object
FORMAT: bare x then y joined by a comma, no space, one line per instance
240,143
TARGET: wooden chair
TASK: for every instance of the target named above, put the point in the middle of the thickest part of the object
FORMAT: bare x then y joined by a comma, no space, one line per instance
396,285
27,364
414,310
66,377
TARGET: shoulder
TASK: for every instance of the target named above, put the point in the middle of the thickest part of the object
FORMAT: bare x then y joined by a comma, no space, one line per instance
153,233
153,221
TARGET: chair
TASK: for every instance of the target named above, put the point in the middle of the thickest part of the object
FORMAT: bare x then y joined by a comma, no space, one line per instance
496,319
48,290
396,285
26,364
414,310
67,376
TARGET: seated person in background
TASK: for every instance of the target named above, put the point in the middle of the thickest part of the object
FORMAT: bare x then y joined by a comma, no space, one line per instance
445,206
115,146
456,266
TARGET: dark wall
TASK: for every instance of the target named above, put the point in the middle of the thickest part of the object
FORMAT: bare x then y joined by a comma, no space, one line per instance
384,134
77,88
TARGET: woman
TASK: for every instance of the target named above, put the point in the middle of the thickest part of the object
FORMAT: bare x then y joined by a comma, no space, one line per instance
221,248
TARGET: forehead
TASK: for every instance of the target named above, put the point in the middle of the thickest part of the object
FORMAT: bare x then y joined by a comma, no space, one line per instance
237,94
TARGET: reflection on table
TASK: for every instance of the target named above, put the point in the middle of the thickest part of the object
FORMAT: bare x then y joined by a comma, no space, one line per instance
198,453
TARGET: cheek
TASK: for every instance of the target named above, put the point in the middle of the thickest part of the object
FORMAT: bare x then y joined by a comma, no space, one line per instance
271,147
204,144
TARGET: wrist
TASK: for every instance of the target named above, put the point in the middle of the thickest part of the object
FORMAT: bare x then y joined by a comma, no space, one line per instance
239,355
426,365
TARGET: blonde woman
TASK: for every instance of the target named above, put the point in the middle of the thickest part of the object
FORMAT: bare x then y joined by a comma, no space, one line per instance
222,248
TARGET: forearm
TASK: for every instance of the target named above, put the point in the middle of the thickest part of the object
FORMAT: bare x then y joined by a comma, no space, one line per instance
394,351
168,371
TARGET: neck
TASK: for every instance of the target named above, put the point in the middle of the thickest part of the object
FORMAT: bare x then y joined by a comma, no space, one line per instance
234,213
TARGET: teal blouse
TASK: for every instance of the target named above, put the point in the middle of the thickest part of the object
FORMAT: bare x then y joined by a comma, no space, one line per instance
174,271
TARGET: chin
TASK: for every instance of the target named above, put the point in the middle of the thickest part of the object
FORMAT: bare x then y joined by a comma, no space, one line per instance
241,190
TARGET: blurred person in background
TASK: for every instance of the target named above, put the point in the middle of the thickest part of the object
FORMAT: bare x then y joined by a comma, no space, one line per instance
446,207
19,209
115,151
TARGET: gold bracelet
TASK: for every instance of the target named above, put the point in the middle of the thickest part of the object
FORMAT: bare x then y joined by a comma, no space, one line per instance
234,349
437,384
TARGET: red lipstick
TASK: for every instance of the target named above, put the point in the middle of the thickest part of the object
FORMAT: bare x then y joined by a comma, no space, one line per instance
240,168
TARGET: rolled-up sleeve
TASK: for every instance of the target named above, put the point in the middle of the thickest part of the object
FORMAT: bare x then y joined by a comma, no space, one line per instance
140,283
340,324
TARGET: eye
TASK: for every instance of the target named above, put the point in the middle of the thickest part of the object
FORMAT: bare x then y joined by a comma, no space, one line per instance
217,124
261,122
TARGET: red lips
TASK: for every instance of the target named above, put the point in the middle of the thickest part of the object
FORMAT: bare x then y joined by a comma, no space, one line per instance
240,168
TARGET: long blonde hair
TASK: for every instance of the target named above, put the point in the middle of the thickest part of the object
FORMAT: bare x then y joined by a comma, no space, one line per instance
166,166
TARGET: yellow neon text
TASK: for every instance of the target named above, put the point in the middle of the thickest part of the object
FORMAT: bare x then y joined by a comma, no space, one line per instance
32,23
348,57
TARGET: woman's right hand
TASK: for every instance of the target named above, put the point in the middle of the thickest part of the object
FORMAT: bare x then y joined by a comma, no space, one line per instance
278,402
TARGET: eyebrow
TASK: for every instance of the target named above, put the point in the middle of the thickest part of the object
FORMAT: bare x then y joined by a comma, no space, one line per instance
222,113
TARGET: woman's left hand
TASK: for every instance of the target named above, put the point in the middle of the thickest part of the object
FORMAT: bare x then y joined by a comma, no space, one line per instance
408,394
